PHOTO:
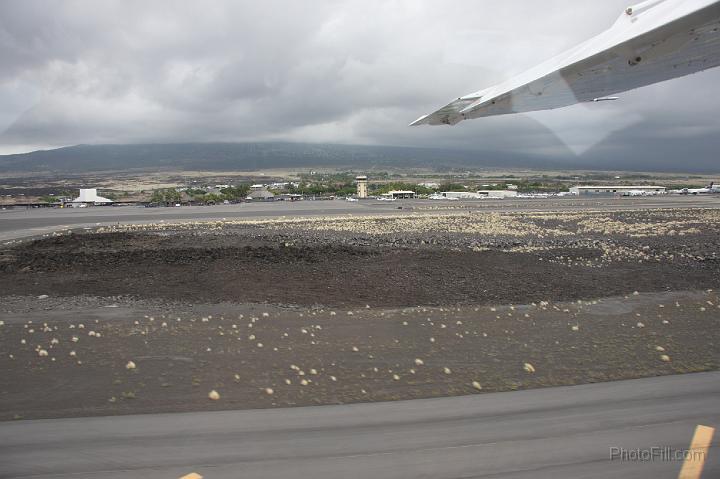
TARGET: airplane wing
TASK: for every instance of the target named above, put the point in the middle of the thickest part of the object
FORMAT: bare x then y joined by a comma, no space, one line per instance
651,42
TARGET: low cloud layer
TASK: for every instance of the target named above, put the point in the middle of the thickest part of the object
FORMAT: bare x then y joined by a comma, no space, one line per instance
323,71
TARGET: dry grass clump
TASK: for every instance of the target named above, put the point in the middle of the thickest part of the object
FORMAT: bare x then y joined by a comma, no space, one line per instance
533,231
496,224
492,224
649,223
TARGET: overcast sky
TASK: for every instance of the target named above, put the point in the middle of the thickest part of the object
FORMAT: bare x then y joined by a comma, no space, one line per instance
337,71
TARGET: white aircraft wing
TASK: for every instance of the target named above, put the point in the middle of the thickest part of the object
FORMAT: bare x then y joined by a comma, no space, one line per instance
651,42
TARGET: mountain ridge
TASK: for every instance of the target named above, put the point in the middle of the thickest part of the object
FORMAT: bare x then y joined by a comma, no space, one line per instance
250,156
253,156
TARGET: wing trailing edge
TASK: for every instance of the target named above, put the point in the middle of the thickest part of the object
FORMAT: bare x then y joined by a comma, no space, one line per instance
651,42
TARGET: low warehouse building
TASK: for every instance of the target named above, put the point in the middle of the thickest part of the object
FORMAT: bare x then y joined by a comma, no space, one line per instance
498,193
461,195
613,190
400,195
261,195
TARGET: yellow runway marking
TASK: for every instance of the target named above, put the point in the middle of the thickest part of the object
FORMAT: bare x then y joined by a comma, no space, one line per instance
192,475
695,459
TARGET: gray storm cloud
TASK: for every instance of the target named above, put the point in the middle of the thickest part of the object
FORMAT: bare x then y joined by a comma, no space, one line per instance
124,71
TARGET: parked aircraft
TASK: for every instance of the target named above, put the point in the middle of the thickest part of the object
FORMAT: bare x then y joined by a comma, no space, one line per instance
710,189
651,42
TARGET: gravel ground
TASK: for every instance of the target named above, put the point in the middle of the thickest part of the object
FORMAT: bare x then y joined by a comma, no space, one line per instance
467,259
153,318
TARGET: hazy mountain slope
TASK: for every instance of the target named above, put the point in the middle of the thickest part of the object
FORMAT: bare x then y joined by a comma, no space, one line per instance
252,156
611,154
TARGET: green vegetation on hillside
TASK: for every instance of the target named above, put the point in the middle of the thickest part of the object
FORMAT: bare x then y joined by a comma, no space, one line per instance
165,195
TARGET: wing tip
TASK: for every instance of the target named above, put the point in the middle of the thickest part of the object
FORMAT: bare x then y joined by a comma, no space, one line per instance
419,121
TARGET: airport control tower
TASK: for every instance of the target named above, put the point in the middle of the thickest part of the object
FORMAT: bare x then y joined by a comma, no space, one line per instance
362,186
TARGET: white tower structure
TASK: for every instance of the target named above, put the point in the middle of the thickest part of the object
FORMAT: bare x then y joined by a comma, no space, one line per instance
362,186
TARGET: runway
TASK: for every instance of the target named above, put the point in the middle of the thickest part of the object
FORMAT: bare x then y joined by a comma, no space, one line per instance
22,222
542,433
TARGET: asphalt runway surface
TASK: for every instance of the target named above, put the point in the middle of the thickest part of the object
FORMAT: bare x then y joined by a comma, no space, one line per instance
23,222
544,433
